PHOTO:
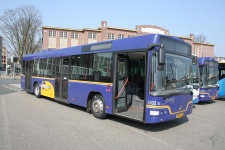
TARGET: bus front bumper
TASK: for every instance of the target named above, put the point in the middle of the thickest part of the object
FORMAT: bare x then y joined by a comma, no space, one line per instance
163,118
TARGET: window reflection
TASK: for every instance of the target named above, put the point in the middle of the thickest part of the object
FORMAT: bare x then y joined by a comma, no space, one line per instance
91,67
175,77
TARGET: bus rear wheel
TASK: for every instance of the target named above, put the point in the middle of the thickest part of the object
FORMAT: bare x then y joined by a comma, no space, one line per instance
37,90
98,107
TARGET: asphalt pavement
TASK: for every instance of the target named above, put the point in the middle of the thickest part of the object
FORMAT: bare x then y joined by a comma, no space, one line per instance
4,76
11,83
27,122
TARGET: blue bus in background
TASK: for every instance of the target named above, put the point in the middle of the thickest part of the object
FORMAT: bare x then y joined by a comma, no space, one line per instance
221,68
196,79
143,78
209,86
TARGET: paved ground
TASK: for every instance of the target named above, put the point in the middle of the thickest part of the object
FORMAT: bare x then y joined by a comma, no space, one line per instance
3,75
10,82
15,87
27,122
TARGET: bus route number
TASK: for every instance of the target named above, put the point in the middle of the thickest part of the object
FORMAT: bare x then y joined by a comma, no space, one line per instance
151,102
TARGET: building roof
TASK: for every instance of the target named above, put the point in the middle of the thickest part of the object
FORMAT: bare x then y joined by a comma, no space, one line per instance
116,28
207,44
70,29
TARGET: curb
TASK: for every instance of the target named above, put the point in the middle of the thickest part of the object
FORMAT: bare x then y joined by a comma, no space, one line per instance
3,76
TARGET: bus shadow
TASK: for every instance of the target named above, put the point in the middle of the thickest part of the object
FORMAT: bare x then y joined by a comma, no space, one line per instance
193,106
151,127
80,108
139,125
220,99
205,102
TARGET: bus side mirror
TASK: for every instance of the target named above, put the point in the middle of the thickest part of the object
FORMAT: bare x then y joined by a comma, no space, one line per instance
162,57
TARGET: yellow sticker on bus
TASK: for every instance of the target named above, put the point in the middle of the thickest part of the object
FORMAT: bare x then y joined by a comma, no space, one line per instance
47,89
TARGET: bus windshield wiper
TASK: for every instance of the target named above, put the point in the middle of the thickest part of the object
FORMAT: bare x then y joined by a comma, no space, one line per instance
171,94
182,79
214,75
174,81
177,93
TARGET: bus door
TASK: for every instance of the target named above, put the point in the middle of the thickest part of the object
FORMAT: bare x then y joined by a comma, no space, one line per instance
121,83
129,81
61,78
28,74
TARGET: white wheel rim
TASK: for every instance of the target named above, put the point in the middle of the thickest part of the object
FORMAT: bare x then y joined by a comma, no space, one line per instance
97,106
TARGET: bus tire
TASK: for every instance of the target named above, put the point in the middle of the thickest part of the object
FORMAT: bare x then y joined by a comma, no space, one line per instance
37,90
98,106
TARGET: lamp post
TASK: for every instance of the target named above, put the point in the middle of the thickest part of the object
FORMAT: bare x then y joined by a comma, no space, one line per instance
6,63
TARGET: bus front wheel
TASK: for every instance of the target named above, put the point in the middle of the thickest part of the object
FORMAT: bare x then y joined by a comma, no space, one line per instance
37,90
98,107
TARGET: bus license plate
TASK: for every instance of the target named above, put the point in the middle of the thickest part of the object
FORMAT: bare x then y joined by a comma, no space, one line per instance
180,115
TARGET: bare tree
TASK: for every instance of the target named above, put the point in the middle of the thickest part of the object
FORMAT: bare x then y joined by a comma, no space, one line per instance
21,28
201,38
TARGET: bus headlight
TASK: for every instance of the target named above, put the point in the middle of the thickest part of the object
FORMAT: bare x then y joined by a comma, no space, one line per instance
202,95
154,113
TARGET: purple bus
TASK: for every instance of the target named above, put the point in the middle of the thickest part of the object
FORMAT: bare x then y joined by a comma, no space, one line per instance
209,86
143,78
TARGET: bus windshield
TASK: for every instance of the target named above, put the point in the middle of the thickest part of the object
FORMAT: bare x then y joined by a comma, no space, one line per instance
221,67
210,74
174,78
213,76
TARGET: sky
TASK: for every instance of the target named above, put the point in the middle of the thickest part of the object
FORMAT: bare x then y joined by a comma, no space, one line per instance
180,17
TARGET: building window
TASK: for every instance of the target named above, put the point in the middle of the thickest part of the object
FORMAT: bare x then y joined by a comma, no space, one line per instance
120,36
111,36
63,34
74,35
130,36
52,33
91,35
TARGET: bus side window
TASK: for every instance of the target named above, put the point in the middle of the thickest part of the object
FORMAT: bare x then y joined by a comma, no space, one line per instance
96,75
222,76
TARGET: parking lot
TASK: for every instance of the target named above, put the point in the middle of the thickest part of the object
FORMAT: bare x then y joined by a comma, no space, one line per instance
31,123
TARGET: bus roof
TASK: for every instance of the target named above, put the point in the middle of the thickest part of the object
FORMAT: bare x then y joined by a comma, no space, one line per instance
201,60
137,42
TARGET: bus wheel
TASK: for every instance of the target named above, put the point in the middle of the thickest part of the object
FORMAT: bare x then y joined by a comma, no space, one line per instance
37,90
98,106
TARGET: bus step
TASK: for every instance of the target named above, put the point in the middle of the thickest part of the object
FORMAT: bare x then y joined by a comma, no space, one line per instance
62,100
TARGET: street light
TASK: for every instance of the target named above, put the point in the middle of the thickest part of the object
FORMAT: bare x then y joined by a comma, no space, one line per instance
6,63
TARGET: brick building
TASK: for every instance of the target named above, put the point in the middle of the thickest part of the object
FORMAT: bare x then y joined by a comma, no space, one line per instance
1,53
200,49
55,38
